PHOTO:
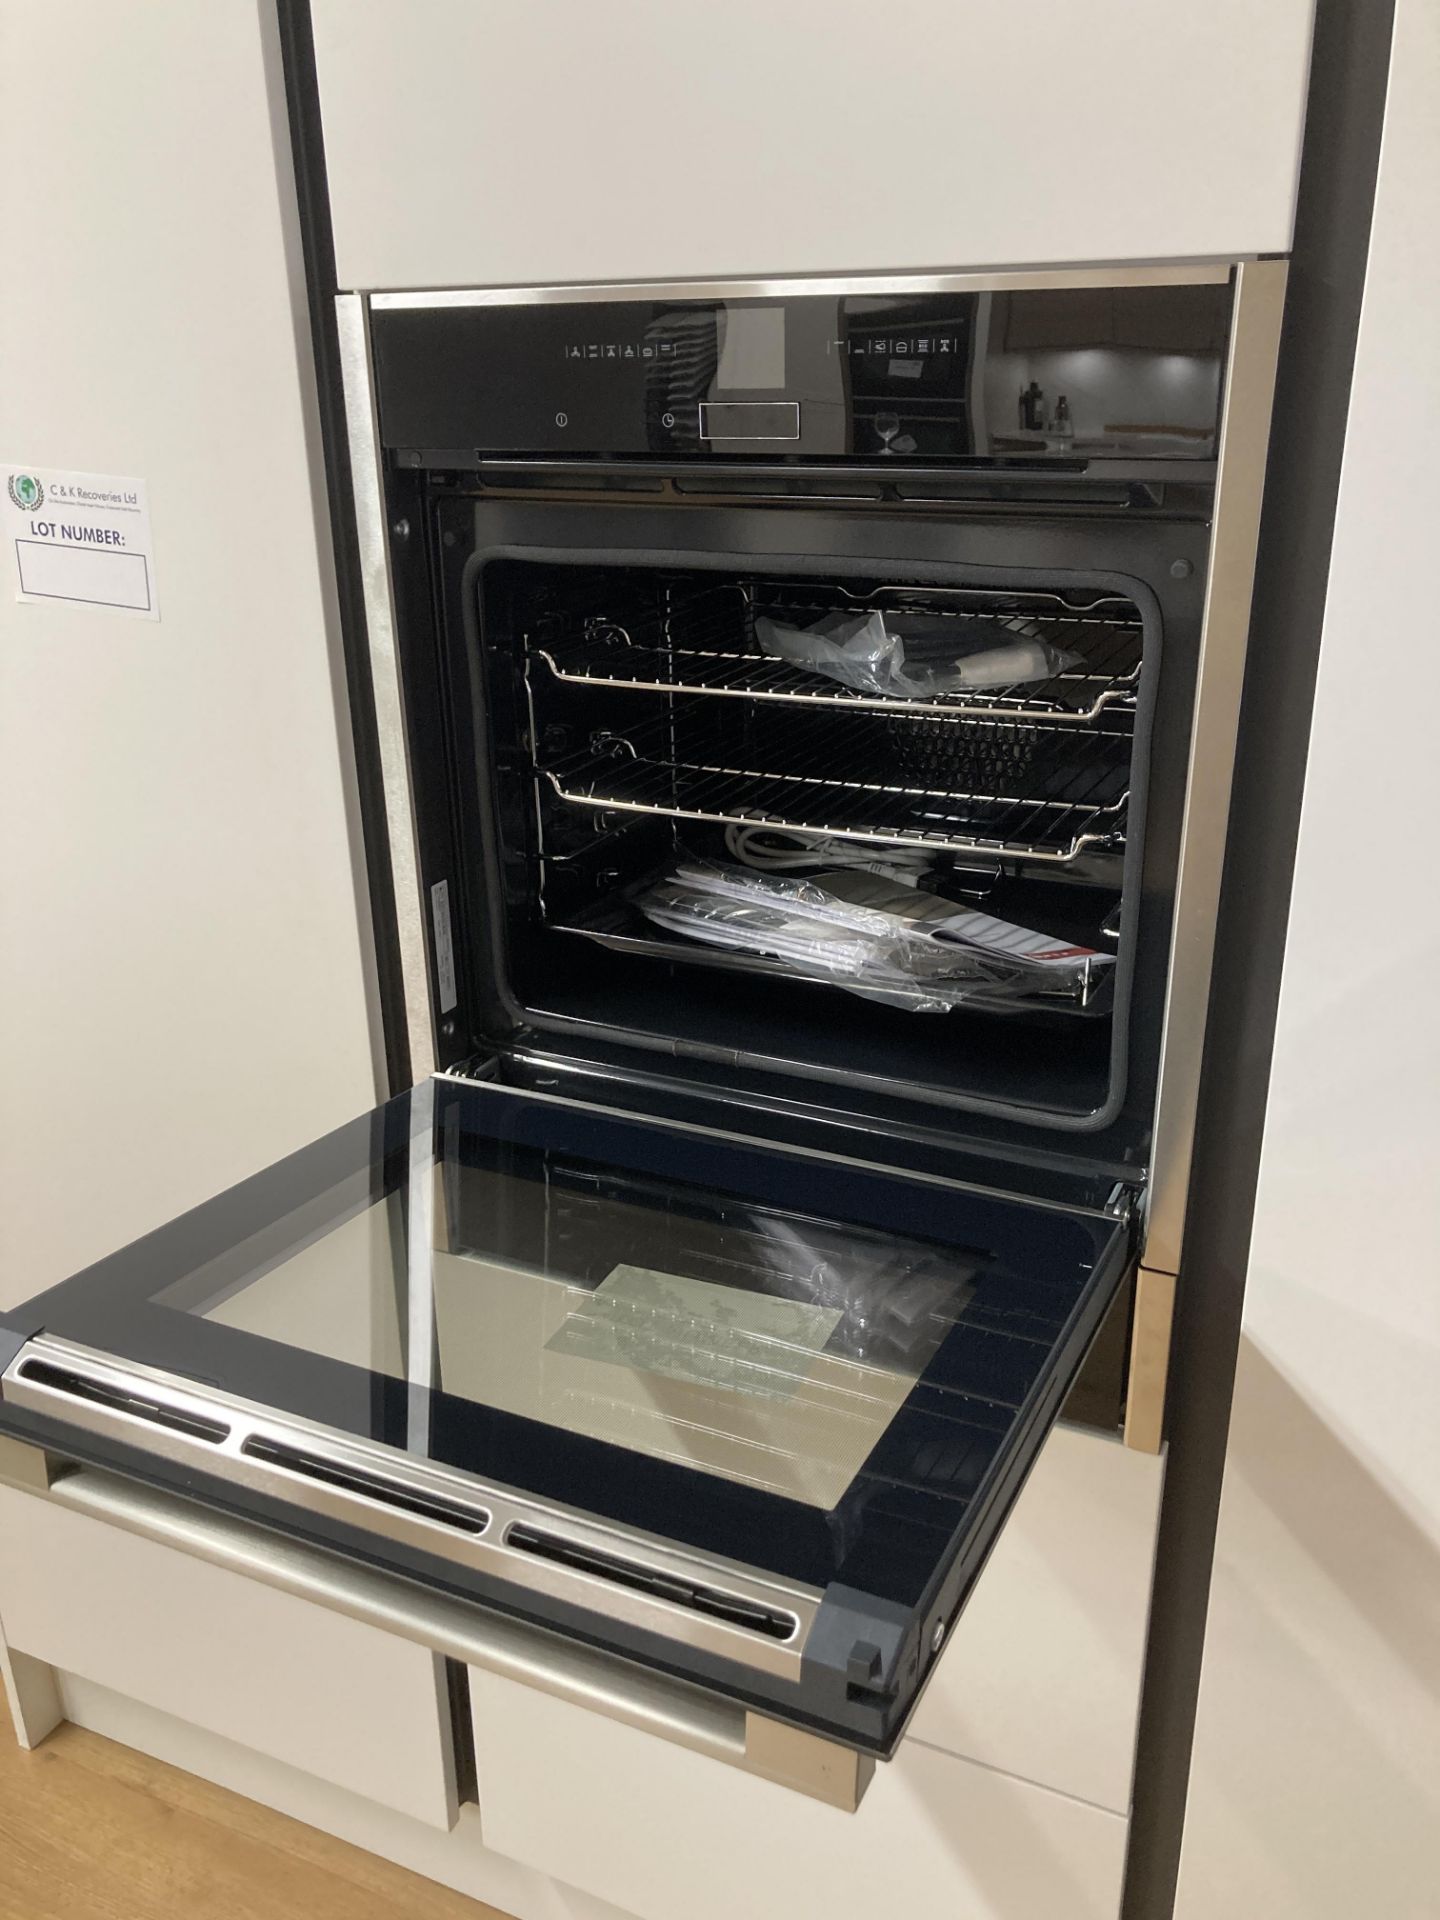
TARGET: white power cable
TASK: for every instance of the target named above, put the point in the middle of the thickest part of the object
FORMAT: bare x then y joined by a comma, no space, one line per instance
775,849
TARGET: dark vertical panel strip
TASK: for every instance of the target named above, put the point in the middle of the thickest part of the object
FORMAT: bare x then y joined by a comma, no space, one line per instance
457,1685
302,100
1332,235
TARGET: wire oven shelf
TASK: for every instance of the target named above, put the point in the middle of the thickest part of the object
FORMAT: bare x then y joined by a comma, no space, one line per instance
1032,792
619,925
703,641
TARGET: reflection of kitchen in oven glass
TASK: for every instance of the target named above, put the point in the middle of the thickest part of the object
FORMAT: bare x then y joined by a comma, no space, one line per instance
909,375
1105,372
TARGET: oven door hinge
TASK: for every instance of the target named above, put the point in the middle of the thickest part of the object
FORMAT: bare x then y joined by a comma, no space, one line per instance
476,1066
1121,1202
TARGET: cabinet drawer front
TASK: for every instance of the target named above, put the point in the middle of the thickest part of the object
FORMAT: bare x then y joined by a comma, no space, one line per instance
1042,1674
322,1692
662,1832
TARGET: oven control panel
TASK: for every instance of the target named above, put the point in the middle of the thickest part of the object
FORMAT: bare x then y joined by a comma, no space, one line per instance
928,377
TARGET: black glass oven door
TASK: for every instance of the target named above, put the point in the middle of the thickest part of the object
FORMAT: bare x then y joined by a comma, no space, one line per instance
750,1415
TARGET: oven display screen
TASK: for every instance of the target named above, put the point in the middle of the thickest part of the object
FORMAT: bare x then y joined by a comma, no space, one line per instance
752,349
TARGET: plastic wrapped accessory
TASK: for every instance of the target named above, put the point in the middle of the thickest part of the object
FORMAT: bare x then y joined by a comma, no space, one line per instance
899,656
809,949
874,935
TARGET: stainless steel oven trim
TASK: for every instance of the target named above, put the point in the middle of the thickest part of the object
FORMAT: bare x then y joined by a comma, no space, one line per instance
1174,273
366,474
668,1709
1239,487
487,1552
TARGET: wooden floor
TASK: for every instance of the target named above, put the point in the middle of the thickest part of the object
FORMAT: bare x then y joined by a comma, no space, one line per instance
92,1831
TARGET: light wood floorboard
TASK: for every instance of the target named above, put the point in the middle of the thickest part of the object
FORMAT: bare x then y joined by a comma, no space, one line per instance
90,1830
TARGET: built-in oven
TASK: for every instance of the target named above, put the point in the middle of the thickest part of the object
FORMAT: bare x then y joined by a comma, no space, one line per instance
805,716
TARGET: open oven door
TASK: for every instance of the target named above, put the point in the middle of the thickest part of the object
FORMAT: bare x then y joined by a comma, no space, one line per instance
744,1415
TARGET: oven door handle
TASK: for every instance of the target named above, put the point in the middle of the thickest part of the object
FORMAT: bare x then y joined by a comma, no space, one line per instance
669,1709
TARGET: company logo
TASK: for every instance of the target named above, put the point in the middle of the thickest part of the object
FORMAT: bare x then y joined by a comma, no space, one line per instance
26,491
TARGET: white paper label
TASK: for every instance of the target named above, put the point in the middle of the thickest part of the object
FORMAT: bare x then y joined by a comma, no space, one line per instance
82,538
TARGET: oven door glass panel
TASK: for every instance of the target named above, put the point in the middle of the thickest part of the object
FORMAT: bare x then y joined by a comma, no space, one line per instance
822,1376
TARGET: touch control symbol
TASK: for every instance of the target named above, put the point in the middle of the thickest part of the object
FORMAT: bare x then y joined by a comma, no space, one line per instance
667,419
562,419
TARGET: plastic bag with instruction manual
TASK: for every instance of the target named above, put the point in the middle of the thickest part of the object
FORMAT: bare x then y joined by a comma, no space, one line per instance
875,936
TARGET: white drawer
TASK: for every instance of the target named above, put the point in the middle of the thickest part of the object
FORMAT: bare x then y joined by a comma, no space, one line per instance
673,1835
1042,1674
340,1700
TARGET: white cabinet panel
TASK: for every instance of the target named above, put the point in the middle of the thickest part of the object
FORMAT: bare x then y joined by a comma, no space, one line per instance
458,1859
503,142
319,1691
180,939
1042,1676
664,1832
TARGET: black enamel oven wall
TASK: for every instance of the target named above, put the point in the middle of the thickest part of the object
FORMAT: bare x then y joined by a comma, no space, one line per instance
1088,1084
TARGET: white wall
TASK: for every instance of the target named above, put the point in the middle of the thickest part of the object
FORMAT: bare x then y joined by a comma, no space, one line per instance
1315,1791
516,142
182,975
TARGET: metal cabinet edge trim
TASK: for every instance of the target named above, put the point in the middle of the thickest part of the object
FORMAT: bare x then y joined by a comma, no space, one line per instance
367,482
988,280
1150,1334
1224,641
